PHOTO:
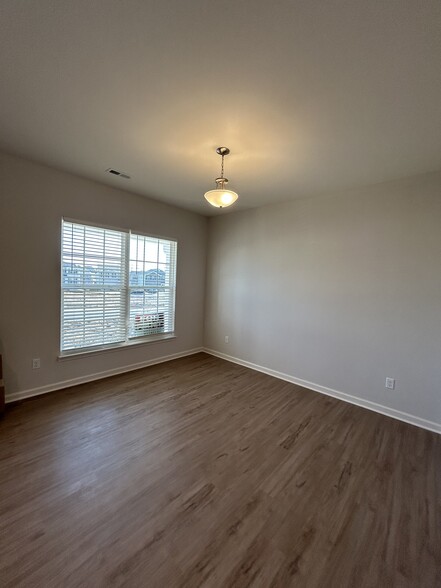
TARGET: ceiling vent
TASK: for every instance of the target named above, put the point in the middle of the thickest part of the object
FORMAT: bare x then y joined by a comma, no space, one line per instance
115,172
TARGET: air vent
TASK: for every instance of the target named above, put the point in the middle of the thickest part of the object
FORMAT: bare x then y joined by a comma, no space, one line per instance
115,172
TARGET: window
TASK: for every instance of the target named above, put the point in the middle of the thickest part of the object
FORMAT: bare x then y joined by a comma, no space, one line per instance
116,287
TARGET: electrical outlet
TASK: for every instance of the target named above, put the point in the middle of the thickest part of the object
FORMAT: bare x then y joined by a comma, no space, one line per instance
227,339
36,363
390,383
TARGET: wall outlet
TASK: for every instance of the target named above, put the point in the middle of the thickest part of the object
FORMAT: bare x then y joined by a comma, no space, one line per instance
36,363
227,339
390,383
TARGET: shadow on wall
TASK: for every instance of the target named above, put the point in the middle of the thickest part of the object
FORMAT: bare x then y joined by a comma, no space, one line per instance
9,377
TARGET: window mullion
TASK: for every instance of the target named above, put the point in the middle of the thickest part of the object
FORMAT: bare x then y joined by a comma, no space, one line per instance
127,284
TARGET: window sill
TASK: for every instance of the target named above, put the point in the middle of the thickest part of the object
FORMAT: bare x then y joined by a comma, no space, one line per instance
74,354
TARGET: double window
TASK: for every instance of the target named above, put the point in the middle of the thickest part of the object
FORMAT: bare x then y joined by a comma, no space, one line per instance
116,287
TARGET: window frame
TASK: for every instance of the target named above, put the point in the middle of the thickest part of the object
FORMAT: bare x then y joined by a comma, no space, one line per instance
129,341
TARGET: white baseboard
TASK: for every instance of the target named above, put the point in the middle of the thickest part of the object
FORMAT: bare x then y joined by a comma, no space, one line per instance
22,394
390,412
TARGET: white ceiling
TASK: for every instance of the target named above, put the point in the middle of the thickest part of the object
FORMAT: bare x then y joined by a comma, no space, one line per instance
310,95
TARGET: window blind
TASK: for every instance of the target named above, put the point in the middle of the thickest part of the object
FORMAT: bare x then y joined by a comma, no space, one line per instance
115,286
152,286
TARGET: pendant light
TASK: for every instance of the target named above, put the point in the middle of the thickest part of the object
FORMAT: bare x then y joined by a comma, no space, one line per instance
220,196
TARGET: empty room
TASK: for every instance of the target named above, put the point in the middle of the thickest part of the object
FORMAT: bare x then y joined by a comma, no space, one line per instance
220,294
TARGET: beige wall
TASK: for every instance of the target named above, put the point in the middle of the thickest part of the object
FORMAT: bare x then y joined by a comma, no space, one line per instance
340,291
33,198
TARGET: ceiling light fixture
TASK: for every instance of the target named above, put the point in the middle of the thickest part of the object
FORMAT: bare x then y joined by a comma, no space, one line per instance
220,197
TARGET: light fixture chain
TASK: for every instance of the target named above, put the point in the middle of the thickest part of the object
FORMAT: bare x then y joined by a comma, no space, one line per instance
222,168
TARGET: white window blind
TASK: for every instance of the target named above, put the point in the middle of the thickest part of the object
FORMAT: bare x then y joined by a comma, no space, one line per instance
152,286
115,285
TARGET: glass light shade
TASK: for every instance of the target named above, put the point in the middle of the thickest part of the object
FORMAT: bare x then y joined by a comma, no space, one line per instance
221,198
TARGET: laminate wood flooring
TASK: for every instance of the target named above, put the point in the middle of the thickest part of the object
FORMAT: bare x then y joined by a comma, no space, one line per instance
200,472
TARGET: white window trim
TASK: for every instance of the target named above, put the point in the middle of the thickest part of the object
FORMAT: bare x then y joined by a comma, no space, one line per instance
150,339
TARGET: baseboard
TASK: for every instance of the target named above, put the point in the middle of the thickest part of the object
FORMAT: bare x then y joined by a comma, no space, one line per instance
22,394
387,411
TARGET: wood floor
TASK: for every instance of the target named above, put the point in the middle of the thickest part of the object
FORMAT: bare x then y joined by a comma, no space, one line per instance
200,472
